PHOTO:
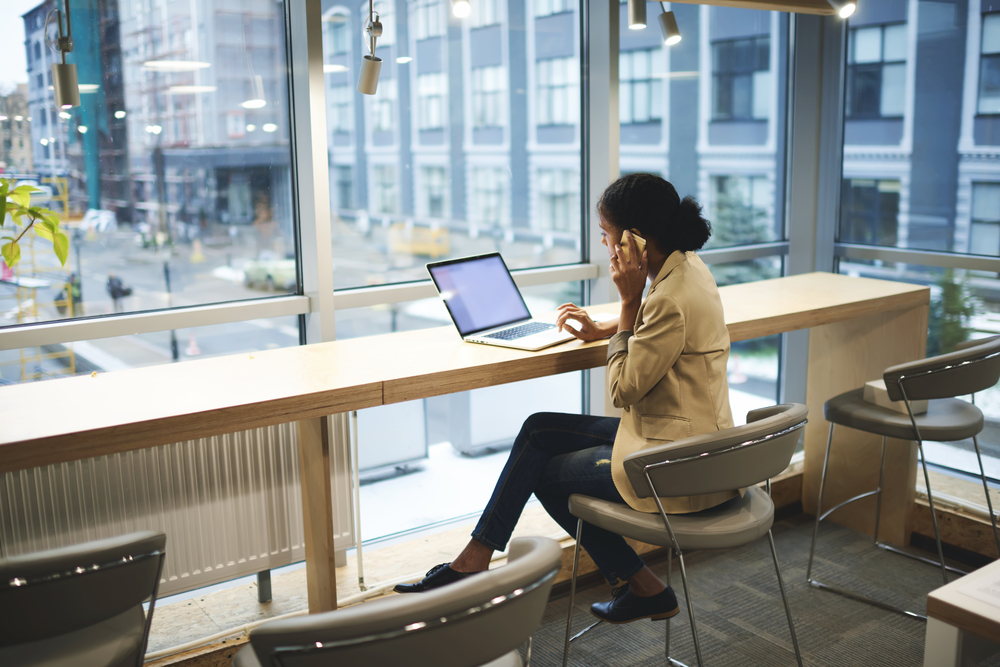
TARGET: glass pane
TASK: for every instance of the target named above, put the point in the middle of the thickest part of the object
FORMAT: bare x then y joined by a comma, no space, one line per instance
868,45
986,202
893,90
753,375
761,95
896,38
991,33
989,85
984,238
429,112
173,177
140,350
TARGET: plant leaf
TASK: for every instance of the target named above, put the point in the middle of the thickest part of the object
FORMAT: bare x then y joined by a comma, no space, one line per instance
44,229
61,244
11,253
4,186
22,195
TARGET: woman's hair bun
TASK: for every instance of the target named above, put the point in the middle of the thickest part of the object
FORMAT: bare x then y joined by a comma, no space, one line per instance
691,230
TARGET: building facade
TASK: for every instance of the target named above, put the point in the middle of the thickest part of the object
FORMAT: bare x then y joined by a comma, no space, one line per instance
15,132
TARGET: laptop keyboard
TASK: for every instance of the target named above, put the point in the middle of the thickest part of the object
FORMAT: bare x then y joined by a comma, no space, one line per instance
521,331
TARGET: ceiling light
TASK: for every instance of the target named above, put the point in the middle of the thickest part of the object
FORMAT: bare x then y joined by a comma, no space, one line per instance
184,90
636,14
18,118
82,129
845,8
251,127
44,142
2,117
175,65
668,28
402,60
270,127
257,101
154,129
461,8
119,114
371,64
64,115
64,81
333,69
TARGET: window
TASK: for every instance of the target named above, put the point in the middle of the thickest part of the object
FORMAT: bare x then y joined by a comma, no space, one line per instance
989,63
341,114
384,189
741,81
869,211
429,18
984,236
558,91
338,33
486,12
639,93
433,192
383,105
546,7
558,192
876,71
432,91
488,85
344,186
488,190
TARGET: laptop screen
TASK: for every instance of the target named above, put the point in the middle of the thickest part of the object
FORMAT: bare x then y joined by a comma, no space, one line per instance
479,292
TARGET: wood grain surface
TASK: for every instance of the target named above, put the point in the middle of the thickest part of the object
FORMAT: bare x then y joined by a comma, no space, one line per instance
950,605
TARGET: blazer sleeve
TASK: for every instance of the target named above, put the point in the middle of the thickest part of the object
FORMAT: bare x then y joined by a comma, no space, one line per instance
637,362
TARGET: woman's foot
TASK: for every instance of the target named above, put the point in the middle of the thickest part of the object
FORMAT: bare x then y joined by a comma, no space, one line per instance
437,576
626,606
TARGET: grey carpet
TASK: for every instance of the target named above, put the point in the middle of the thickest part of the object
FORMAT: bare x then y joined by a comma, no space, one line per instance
739,614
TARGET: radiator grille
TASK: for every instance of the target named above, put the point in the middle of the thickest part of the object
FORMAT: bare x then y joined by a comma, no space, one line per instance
230,505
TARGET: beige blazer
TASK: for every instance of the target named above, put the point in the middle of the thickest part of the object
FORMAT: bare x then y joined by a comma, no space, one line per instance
669,375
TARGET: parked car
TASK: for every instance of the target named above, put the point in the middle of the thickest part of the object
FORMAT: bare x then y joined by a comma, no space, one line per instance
270,274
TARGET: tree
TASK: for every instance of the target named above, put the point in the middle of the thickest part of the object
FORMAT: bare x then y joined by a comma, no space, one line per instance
24,218
738,223
949,314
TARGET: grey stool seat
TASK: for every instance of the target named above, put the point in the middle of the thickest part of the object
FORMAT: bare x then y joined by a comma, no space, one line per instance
477,621
946,419
732,524
81,604
735,458
972,367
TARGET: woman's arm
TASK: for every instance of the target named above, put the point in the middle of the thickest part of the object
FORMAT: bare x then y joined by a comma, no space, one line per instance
587,328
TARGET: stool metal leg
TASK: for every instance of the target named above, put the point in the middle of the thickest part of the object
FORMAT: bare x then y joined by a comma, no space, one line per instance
572,589
670,568
930,501
878,502
986,489
687,597
819,503
527,652
784,599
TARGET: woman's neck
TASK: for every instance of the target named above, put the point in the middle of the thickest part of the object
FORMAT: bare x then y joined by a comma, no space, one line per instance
656,261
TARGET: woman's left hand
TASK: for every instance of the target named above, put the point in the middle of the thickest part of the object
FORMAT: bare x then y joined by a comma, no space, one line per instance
629,275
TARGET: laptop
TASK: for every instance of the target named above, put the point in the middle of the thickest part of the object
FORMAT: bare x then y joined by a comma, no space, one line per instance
486,306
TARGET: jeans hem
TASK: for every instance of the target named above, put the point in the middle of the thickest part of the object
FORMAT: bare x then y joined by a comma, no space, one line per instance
489,543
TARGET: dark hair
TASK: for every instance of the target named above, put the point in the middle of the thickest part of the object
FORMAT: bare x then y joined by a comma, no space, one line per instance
651,205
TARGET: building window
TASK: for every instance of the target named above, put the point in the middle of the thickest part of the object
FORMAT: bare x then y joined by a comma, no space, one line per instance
869,211
432,92
488,184
341,118
384,188
557,200
876,71
429,18
433,192
741,79
989,73
340,40
488,84
344,186
984,234
485,12
639,91
558,92
383,106
739,210
546,7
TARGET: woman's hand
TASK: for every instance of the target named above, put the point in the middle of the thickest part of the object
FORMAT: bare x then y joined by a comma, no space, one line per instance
629,275
588,329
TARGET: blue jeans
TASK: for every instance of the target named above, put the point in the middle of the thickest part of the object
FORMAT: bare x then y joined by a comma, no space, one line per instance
554,456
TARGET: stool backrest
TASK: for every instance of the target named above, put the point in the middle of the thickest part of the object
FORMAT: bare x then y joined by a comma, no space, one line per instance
71,595
723,460
958,373
471,622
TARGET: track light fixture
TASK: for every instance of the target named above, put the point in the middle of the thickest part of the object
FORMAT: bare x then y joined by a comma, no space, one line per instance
668,27
64,81
371,65
636,14
461,8
844,8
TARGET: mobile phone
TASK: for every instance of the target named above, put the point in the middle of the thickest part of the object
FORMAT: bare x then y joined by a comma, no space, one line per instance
640,244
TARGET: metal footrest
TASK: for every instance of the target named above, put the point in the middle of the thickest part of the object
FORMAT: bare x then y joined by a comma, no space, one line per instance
922,559
676,663
863,598
585,631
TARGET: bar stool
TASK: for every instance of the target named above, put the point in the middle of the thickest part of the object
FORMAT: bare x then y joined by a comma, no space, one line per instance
937,380
720,461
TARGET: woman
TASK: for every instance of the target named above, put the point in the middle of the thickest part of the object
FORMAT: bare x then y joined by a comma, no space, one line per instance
666,370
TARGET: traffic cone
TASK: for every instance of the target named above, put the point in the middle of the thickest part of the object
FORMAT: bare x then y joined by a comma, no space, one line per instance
192,348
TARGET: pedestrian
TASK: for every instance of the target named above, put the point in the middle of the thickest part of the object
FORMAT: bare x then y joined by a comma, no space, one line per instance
117,291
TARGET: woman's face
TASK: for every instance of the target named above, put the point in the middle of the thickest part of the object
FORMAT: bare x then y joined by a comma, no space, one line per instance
610,235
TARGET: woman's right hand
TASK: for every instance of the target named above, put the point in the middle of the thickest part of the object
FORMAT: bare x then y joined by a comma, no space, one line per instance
587,328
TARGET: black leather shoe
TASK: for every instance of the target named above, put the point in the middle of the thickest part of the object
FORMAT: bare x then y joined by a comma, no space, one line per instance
626,606
437,576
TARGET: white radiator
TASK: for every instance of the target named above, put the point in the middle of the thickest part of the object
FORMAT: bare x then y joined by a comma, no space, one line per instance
230,505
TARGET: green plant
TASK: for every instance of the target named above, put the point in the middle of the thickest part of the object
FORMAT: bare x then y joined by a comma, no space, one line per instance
949,314
25,217
737,223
